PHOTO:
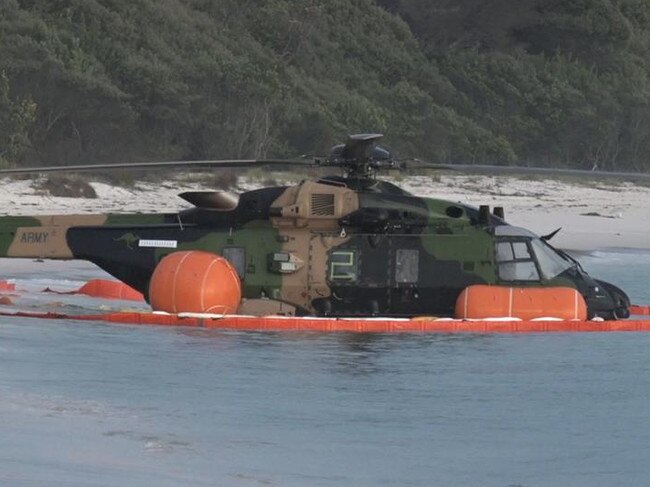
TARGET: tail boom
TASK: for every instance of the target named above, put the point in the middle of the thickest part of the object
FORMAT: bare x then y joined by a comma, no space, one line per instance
43,236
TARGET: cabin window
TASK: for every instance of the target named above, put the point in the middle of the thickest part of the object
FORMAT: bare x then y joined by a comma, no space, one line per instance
406,266
515,262
343,266
237,258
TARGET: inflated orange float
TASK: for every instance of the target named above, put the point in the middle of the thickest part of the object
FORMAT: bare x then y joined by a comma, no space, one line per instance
526,303
194,281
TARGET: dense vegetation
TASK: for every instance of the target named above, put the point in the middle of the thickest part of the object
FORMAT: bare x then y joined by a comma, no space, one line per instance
537,82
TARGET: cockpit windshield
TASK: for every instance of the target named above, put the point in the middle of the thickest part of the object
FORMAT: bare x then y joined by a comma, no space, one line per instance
550,262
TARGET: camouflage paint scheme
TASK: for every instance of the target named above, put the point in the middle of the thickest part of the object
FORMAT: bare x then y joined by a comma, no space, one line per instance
332,246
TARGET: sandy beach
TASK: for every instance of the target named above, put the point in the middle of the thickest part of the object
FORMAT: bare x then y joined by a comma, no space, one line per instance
593,215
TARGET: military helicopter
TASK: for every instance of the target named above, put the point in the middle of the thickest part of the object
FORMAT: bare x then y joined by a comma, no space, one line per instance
348,245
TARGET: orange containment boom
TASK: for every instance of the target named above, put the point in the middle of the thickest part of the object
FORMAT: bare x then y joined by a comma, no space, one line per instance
526,303
636,309
7,286
378,325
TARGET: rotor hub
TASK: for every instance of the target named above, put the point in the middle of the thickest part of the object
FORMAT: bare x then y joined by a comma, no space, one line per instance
360,156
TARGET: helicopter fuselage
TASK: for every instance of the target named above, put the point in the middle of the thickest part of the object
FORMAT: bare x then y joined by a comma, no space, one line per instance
333,246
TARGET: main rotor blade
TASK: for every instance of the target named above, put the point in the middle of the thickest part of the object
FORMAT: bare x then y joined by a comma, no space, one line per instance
134,166
542,171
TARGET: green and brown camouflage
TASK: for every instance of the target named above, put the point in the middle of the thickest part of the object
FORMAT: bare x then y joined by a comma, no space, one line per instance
337,246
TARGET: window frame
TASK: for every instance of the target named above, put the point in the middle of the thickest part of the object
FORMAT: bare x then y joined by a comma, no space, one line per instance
515,260
224,251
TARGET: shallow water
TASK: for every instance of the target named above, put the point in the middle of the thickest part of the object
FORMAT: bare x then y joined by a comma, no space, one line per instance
629,270
103,405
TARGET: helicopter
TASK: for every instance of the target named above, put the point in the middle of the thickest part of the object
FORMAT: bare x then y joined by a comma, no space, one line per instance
343,245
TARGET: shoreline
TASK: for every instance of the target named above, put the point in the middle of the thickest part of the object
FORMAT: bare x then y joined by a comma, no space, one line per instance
600,216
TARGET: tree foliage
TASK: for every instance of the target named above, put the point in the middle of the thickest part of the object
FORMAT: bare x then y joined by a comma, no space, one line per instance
538,82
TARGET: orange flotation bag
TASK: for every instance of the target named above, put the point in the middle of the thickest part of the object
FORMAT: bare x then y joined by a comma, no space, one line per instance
103,288
194,281
526,303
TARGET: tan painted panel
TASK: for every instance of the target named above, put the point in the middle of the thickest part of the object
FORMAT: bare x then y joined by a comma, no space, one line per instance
294,285
309,282
265,307
40,242
320,246
310,237
49,240
296,204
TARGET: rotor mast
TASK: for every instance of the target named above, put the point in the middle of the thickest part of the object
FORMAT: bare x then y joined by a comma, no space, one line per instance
360,157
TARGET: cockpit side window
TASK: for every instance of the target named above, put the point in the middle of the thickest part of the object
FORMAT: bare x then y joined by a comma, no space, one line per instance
520,249
504,252
515,261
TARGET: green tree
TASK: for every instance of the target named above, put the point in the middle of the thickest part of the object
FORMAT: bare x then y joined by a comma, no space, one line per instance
16,119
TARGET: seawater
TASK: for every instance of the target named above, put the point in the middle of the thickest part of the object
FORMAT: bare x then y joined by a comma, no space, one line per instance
86,404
